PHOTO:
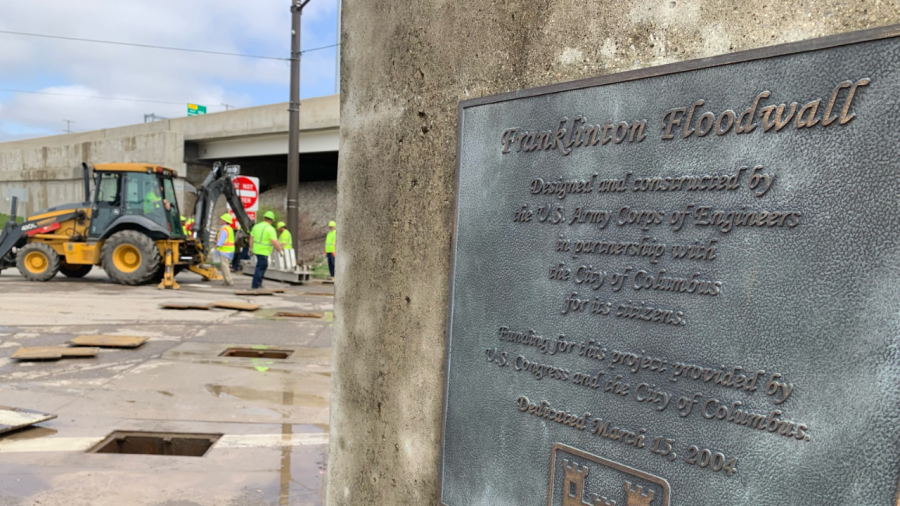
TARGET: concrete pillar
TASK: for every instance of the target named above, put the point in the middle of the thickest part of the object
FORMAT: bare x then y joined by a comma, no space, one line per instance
405,66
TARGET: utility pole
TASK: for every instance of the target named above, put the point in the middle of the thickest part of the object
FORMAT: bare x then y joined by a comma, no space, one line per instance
294,124
228,107
68,125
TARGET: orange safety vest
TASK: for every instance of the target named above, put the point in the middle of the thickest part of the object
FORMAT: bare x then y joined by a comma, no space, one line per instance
228,247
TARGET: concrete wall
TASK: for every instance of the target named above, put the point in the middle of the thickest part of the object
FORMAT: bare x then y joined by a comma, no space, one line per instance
46,169
51,175
404,66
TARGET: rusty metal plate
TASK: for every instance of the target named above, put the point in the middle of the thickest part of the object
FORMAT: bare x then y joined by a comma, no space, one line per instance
294,314
109,341
53,353
17,418
185,306
239,306
681,285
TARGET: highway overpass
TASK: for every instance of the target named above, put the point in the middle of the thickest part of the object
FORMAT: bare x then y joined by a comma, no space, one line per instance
46,172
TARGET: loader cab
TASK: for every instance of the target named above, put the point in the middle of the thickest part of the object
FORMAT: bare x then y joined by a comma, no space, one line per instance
134,196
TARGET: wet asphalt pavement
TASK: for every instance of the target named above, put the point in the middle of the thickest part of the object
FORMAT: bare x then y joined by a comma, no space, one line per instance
271,414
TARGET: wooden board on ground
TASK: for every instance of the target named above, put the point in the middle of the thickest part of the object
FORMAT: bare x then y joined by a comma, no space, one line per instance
253,293
184,306
53,353
319,294
293,314
17,418
109,341
239,306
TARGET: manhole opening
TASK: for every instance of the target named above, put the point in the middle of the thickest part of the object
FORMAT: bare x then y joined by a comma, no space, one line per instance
157,443
253,353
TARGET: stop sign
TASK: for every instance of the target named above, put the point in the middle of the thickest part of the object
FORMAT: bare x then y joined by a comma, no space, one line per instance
248,190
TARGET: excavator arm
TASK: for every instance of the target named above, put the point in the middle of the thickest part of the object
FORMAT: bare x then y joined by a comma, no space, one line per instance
16,234
9,237
217,184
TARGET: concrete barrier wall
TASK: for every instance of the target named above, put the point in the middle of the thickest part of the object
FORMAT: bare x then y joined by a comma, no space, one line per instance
405,65
52,175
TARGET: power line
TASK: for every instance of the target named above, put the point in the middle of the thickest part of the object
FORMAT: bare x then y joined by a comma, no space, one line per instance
320,47
167,48
149,46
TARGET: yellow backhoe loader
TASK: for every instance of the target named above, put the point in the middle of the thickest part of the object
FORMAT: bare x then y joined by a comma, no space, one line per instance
131,228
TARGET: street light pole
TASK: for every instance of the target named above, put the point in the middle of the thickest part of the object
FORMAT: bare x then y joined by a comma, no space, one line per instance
293,174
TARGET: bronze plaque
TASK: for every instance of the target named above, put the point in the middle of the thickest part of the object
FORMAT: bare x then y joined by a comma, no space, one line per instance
681,285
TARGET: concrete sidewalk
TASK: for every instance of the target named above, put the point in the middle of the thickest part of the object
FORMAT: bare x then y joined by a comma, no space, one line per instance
272,413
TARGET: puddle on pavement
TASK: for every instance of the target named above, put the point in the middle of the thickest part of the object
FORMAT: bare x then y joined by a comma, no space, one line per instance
185,354
303,473
28,433
20,481
274,397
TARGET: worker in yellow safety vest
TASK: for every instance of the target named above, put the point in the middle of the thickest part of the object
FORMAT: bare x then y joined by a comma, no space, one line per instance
284,236
184,225
330,243
225,247
263,239
153,202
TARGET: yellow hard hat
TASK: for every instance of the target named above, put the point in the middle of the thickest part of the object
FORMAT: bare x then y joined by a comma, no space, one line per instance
269,215
280,224
332,224
226,218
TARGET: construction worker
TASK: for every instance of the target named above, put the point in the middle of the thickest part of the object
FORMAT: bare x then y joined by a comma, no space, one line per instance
330,241
225,247
153,201
184,225
284,237
263,239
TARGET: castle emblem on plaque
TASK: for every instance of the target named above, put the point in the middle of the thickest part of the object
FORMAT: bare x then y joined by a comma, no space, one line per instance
578,478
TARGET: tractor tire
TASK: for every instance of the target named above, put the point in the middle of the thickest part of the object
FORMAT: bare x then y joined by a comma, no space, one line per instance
130,258
37,262
74,271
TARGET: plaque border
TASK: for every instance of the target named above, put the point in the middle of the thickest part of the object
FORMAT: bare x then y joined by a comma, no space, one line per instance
762,53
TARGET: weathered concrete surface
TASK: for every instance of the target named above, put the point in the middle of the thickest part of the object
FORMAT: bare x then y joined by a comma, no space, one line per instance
405,66
273,414
47,168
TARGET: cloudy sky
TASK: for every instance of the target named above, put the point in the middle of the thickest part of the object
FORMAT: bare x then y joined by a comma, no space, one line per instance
259,27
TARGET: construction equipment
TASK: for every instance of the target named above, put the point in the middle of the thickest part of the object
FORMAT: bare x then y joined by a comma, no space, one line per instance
131,228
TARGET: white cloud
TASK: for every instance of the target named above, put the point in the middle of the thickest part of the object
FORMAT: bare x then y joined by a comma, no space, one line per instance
81,68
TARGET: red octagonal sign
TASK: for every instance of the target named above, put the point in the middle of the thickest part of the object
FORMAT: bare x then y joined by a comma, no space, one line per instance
248,190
